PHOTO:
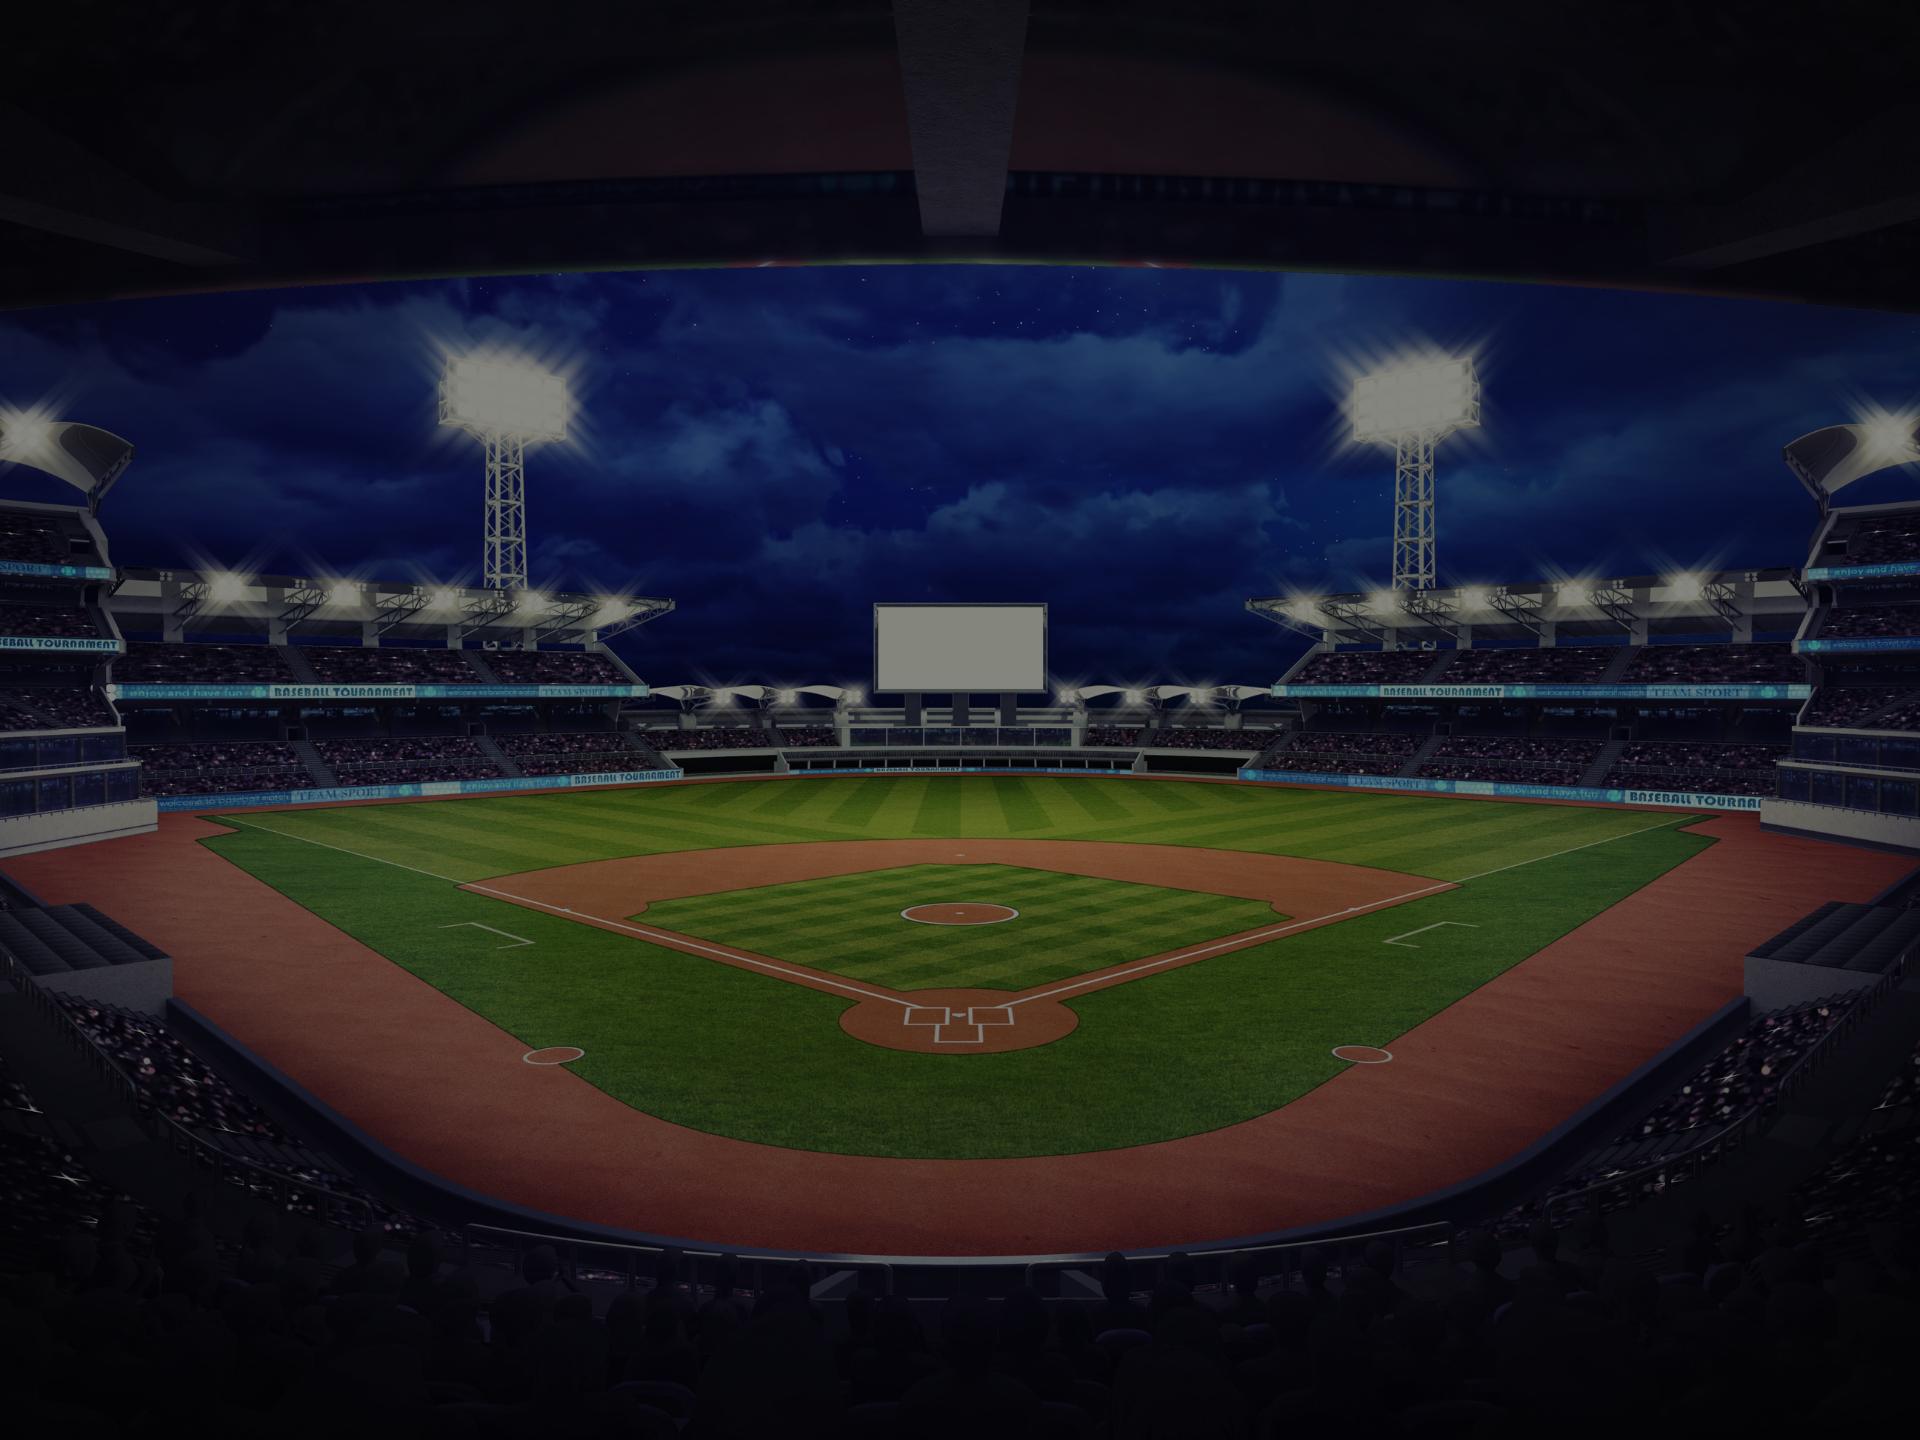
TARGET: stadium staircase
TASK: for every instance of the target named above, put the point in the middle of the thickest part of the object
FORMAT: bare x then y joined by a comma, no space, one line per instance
490,748
481,668
59,939
1442,664
1419,757
302,668
1617,667
1848,937
316,767
1604,762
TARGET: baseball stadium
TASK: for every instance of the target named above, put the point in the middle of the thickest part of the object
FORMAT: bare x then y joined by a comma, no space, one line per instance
1534,946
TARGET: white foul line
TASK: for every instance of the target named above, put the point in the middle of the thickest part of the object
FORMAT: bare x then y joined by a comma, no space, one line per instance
681,942
518,940
1401,940
309,840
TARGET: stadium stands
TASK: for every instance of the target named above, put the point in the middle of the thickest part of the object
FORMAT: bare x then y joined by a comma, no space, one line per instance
52,708
809,736
1843,705
1366,667
711,737
1511,759
389,665
1118,736
554,667
1712,768
1880,539
36,539
222,768
73,621
1346,753
1871,621
1563,664
571,754
1714,665
149,662
407,760
1206,737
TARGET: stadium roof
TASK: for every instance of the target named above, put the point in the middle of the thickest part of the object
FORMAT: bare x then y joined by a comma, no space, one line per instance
259,142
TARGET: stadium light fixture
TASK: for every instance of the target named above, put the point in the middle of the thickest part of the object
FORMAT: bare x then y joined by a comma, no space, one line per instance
1132,697
25,435
535,602
1381,602
343,592
226,588
444,598
1412,405
785,697
1890,437
1306,611
1473,598
1687,587
507,402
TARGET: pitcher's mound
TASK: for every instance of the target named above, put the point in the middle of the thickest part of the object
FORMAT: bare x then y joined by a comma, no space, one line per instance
959,914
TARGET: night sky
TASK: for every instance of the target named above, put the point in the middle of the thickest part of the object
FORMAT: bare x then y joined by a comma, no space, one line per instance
777,449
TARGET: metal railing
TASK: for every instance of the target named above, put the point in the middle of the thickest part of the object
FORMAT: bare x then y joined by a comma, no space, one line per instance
1280,1262
1654,1179
288,1192
724,1269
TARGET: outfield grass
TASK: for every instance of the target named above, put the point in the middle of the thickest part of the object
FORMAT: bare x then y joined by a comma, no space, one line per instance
733,1052
851,924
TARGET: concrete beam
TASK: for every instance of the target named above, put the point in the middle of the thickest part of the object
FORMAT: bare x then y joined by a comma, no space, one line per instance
960,64
53,184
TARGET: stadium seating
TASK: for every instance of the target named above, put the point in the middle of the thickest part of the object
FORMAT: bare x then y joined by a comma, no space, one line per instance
1879,539
1714,665
389,665
554,667
149,662
1206,737
407,760
1871,621
712,737
48,621
1341,752
1119,736
1712,768
1511,759
1843,705
1366,667
1562,664
34,538
809,736
572,753
53,708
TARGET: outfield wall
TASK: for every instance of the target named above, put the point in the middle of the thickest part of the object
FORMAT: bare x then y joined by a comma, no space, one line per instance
335,795
1677,799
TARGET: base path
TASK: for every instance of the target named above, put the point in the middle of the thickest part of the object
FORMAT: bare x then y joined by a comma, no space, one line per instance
449,1090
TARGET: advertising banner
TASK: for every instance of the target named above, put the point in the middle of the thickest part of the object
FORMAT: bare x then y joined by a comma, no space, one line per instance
1781,691
1858,645
65,644
336,794
1888,570
55,572
141,690
1674,799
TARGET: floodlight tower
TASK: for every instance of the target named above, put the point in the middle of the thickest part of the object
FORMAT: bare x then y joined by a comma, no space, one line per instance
1413,407
506,403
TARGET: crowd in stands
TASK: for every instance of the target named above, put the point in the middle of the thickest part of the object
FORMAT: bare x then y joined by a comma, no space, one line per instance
389,665
1700,755
1904,1087
1903,716
1340,752
171,1079
54,707
1873,1179
163,783
1502,772
1879,539
1366,667
1511,759
149,662
1558,664
712,737
1744,1075
1123,736
1859,621
216,755
1715,665
36,539
572,754
1842,705
1206,737
49,621
397,749
798,737
554,667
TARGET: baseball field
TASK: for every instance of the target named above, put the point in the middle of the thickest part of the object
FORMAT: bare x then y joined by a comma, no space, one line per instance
957,967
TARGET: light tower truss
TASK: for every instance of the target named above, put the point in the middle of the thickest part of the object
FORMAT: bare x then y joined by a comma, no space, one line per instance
397,610
505,402
307,597
504,558
1614,603
1413,405
1413,512
1521,609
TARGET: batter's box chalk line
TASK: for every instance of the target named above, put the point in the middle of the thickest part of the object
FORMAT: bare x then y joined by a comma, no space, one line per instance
943,1020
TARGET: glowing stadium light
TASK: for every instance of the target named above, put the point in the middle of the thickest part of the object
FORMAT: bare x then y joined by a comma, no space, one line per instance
612,609
1304,610
1575,595
1890,437
343,592
226,588
25,435
1132,697
444,599
1413,404
535,602
1473,598
854,697
785,697
1381,602
1687,587
508,403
